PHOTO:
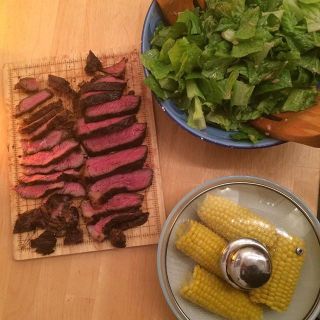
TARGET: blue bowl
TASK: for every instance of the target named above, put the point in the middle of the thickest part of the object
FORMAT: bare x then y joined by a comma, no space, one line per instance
211,134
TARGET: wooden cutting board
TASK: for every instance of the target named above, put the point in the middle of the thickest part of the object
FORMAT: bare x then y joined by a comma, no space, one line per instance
72,69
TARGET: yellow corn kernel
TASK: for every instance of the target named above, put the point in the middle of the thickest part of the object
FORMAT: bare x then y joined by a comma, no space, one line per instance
201,244
233,222
215,295
286,267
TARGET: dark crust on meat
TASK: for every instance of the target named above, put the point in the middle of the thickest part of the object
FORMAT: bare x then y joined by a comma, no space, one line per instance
99,98
103,86
58,107
117,238
29,221
117,126
25,85
73,236
134,223
45,243
60,84
93,64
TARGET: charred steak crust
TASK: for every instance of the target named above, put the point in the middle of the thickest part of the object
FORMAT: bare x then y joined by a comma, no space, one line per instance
73,236
98,98
60,84
45,243
93,64
103,84
29,221
117,238
27,84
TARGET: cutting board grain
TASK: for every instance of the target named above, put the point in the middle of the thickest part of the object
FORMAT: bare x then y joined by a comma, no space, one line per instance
114,285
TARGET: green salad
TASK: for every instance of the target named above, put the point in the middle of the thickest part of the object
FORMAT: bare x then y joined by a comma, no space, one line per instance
237,61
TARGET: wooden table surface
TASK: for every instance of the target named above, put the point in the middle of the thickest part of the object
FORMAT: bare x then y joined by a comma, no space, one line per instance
119,284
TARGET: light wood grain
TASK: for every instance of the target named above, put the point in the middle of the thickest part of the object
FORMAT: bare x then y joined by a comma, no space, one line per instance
115,285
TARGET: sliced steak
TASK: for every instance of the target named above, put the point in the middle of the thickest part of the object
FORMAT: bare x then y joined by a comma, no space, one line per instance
37,191
45,158
31,102
85,130
104,84
74,161
93,64
29,128
97,97
56,205
139,221
47,143
101,229
29,221
126,138
68,175
45,243
74,189
121,161
27,84
60,84
73,236
126,182
118,69
125,105
120,202
36,115
118,238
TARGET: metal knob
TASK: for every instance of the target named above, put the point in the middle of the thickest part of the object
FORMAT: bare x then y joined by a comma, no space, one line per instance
246,264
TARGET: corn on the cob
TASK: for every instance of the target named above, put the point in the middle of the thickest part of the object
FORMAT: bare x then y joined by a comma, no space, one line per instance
233,222
201,244
209,292
286,266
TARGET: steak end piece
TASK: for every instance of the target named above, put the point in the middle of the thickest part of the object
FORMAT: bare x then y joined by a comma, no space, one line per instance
117,238
127,182
29,221
31,102
45,243
73,236
93,64
27,84
118,69
60,84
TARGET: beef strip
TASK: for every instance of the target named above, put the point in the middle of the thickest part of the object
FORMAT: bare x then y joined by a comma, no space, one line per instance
118,238
47,143
37,191
103,84
139,221
74,161
31,102
60,84
68,175
45,243
27,84
97,97
73,189
73,236
86,130
126,138
29,128
120,202
118,69
126,182
121,161
29,221
56,205
93,64
44,158
125,105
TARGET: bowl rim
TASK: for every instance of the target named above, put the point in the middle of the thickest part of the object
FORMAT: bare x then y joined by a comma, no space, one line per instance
200,190
182,124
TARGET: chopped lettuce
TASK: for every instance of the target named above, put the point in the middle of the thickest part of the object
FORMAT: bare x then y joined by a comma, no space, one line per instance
238,60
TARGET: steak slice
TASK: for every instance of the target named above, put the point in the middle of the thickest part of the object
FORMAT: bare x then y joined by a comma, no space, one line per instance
97,97
93,64
27,84
37,191
56,205
73,189
119,202
73,236
104,84
125,182
118,238
125,105
126,138
29,128
45,158
139,221
29,221
45,243
85,130
73,161
101,229
121,161
68,175
118,69
47,143
60,84
31,102
34,116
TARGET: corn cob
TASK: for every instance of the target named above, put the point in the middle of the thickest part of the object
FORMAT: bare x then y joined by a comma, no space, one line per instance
233,222
286,266
201,244
209,292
